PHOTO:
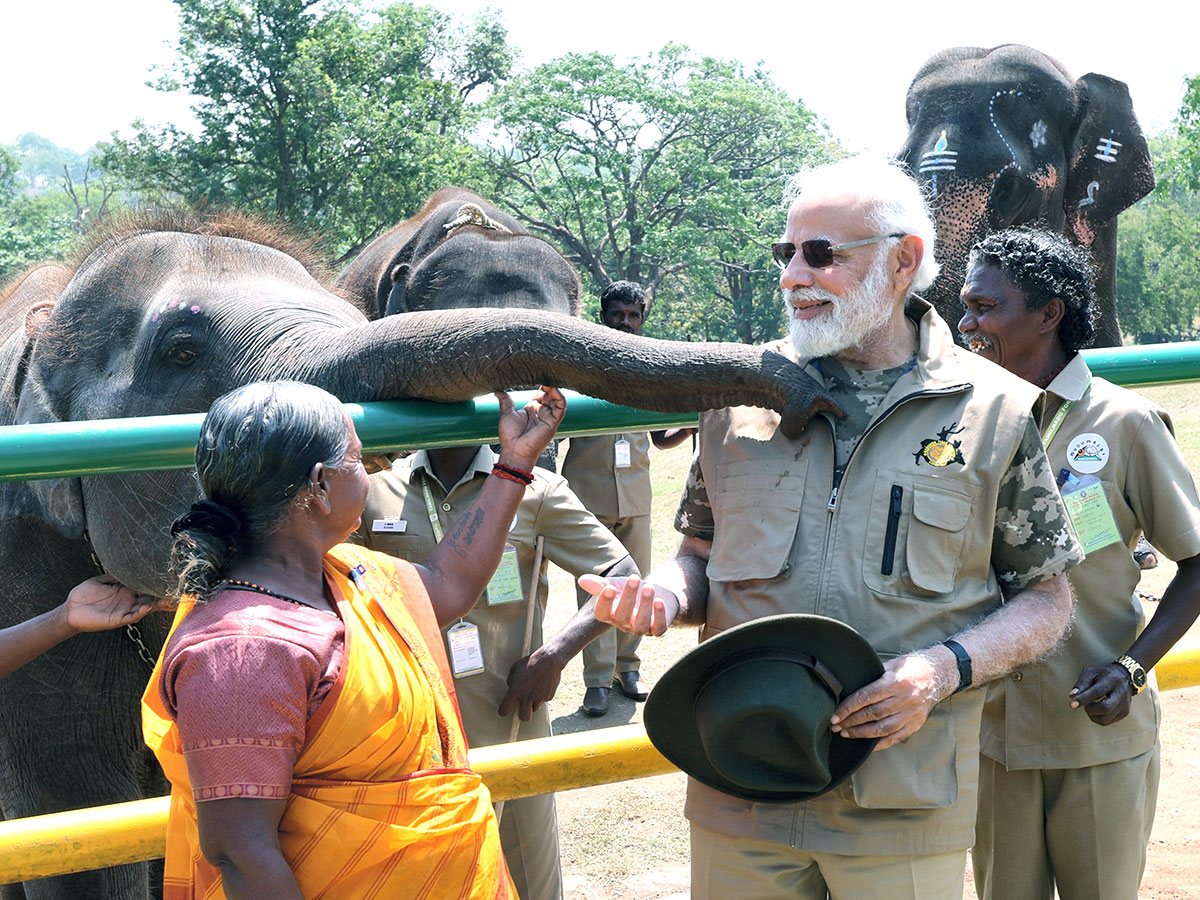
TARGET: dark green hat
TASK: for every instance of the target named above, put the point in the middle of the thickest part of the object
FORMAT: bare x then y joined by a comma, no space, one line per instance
747,712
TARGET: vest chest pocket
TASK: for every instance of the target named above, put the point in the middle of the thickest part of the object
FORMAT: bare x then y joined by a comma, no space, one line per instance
915,535
756,511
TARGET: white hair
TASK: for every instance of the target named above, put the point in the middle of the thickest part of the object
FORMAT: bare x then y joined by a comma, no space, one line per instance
898,203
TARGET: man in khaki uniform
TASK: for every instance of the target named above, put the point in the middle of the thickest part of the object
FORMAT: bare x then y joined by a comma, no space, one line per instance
908,519
515,680
610,474
1070,764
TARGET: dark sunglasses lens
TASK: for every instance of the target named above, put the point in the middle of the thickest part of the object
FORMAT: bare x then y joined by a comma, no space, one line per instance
818,253
782,253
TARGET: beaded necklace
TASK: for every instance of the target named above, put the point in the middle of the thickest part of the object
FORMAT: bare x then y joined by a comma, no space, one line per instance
258,589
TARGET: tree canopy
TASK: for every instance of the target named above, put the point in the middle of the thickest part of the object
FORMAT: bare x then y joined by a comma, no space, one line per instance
316,112
665,171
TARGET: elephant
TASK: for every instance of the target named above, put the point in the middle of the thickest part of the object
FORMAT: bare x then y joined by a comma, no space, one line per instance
163,317
459,251
1004,136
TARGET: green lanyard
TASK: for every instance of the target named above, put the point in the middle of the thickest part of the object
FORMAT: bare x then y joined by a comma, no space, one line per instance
431,509
1056,423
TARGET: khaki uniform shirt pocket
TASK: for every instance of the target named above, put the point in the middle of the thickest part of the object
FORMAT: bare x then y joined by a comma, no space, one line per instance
756,511
921,772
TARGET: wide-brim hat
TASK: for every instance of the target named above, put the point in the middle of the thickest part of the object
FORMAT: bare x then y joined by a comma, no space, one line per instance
747,711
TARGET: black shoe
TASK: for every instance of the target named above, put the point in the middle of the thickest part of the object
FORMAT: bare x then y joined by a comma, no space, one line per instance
1145,554
595,701
630,684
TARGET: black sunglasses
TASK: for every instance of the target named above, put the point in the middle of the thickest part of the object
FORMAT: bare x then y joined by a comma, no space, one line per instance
818,252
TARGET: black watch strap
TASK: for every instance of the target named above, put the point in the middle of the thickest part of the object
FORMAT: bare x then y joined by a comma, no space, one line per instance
964,664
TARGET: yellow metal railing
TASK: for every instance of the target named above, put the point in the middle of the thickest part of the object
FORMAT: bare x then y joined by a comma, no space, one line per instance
85,839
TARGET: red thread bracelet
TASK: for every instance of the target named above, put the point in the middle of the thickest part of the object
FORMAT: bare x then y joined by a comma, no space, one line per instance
515,475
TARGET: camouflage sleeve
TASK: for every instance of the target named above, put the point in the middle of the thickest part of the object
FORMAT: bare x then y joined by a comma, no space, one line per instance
694,517
1033,539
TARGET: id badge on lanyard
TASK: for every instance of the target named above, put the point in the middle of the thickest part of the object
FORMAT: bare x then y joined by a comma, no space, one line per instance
505,583
622,456
466,653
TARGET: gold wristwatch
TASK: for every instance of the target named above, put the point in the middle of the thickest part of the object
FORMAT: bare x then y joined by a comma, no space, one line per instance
1137,675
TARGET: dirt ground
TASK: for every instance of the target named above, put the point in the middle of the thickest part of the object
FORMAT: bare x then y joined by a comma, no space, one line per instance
628,841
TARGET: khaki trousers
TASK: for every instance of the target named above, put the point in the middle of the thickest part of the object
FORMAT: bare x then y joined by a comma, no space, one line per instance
733,868
1083,830
529,838
616,650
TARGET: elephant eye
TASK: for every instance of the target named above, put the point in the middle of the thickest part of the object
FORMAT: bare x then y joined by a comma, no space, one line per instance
181,349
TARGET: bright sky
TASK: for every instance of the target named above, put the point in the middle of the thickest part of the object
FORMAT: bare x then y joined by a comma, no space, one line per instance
75,70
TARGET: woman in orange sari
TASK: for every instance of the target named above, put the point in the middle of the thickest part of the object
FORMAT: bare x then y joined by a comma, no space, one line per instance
302,706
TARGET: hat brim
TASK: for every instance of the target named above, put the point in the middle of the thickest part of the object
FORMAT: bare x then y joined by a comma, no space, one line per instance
669,712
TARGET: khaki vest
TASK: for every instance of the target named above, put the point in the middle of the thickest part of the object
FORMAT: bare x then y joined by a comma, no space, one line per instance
900,549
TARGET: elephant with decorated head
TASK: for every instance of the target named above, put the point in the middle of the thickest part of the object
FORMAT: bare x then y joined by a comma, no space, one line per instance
1005,136
163,317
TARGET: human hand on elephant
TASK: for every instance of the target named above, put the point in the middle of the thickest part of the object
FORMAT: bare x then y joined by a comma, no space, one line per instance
102,602
532,680
525,432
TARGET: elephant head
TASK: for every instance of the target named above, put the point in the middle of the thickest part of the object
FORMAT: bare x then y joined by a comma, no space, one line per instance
163,319
459,251
1005,136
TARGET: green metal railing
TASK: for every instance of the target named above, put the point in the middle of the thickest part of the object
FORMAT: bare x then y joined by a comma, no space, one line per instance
106,446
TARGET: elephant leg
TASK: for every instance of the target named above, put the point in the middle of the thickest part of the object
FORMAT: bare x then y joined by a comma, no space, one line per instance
72,739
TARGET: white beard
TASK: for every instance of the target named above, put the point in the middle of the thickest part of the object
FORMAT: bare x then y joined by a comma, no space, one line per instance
865,309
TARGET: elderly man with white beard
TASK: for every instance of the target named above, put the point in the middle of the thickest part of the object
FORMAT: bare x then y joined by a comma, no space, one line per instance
926,517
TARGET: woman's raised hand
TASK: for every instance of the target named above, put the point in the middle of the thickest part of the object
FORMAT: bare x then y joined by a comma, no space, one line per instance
525,432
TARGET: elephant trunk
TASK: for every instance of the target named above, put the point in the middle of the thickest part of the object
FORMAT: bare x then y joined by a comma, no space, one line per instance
452,356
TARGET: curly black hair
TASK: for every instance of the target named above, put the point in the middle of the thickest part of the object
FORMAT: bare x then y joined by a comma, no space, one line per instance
1044,265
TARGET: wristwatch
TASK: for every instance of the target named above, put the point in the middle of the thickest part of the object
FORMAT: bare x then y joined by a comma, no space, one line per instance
1137,675
964,664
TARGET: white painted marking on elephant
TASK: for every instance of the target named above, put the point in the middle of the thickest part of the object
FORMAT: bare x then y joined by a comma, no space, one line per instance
1108,149
1037,134
1093,186
939,159
992,116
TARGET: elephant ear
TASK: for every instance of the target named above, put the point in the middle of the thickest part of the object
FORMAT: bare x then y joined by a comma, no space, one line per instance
56,501
1110,166
397,298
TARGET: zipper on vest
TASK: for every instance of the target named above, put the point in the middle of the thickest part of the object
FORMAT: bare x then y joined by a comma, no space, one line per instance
933,392
893,526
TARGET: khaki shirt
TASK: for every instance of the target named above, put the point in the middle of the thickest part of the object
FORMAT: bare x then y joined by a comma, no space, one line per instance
1027,721
954,441
608,491
573,540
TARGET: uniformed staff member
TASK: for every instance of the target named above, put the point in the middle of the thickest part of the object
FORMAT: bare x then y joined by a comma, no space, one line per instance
496,677
1064,802
908,519
610,474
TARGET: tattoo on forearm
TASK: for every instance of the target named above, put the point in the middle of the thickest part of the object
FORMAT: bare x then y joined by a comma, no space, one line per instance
461,538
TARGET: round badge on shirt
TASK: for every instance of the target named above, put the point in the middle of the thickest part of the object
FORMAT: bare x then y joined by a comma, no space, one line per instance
1087,453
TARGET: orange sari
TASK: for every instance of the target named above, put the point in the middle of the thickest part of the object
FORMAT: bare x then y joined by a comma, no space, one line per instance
382,802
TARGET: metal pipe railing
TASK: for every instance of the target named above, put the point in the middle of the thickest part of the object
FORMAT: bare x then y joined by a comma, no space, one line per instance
107,446
85,839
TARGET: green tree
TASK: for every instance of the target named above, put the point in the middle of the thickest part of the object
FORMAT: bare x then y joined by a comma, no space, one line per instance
1158,272
38,221
316,112
666,171
1179,159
